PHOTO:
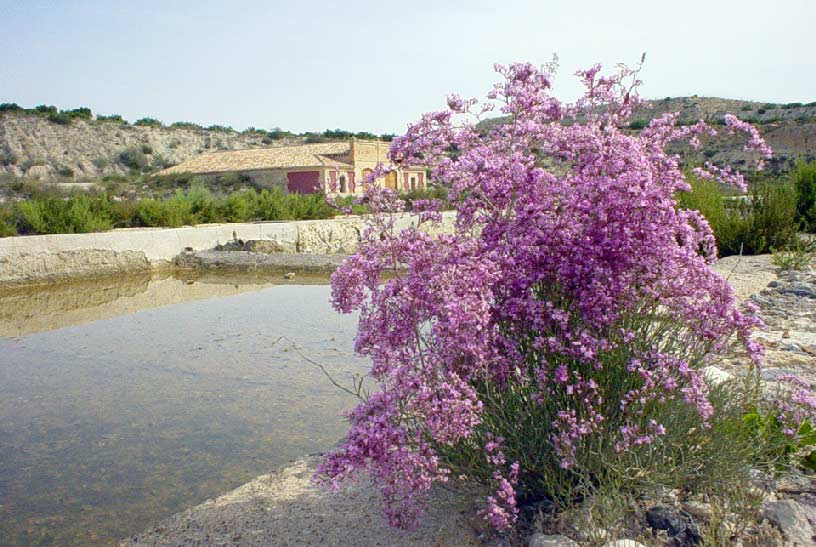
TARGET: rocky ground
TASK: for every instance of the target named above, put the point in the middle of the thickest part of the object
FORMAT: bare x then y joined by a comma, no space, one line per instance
283,508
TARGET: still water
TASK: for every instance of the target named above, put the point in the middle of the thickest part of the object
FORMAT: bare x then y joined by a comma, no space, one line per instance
125,400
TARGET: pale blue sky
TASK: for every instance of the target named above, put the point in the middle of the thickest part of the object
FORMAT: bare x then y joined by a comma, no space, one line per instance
377,65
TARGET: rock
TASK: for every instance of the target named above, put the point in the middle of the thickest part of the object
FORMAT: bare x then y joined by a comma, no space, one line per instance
676,524
697,509
289,275
791,517
795,483
38,172
798,288
715,376
267,246
623,543
540,540
45,267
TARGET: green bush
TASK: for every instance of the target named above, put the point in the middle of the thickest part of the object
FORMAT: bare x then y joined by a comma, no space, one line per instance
763,220
53,215
185,125
278,134
221,128
170,213
81,113
147,149
148,122
65,172
10,107
111,118
133,158
48,212
638,124
804,179
7,223
101,162
45,109
60,118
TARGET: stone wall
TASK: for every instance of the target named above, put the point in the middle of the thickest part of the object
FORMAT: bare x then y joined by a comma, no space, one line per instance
47,258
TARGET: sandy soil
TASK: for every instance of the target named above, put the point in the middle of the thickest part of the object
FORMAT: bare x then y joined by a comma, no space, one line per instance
285,509
747,274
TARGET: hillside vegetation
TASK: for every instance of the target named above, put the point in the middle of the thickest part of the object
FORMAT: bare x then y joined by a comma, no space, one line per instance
46,143
790,129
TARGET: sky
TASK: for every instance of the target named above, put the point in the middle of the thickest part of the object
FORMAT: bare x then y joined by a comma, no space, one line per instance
378,65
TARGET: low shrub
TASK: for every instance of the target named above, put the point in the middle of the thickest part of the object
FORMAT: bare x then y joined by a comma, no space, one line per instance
45,109
638,124
10,107
221,128
110,118
804,179
101,162
60,118
796,256
133,158
7,222
278,134
63,216
763,220
185,125
147,149
65,172
148,122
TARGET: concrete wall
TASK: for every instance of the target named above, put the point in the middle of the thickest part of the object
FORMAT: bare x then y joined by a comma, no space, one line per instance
46,258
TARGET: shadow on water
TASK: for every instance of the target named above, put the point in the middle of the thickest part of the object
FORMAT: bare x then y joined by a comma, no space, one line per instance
125,400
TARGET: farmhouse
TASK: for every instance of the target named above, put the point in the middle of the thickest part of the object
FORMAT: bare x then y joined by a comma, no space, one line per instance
307,168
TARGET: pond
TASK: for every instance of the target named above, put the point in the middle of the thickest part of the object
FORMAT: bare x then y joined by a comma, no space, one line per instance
125,400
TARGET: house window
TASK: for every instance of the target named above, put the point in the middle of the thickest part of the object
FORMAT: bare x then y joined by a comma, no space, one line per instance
343,187
413,183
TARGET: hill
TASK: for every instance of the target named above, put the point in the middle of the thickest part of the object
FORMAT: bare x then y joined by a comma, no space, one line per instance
35,146
790,129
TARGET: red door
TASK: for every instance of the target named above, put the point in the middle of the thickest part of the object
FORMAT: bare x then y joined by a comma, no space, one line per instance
303,182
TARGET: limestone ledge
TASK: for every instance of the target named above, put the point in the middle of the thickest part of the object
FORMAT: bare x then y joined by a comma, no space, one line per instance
49,258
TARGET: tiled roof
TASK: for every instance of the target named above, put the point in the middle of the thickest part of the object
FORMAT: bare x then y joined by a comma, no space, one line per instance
304,155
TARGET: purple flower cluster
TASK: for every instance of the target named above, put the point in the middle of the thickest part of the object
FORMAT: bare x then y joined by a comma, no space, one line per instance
567,249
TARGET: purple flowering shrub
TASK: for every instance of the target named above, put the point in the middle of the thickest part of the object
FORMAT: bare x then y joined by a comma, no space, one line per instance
572,304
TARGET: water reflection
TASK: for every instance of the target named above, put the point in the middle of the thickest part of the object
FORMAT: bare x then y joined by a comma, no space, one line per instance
127,416
26,310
